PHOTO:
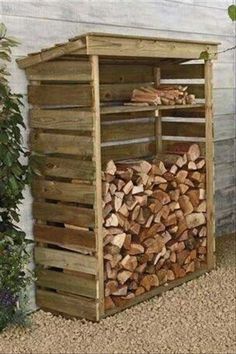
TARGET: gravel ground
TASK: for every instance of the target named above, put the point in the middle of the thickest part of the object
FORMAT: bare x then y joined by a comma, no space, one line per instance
197,317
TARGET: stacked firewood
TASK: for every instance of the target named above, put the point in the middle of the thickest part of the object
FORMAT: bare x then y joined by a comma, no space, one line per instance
163,95
154,223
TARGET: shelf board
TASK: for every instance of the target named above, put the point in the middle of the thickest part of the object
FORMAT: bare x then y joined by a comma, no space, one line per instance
127,109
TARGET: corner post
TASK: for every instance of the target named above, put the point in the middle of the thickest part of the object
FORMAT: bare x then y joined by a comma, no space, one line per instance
209,164
158,122
94,60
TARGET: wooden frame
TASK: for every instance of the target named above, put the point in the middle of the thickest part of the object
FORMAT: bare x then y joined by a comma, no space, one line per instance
78,128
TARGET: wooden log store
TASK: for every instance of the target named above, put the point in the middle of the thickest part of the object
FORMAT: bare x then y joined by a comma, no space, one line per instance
124,205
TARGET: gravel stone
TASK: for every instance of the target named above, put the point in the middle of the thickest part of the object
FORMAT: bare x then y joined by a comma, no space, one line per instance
197,317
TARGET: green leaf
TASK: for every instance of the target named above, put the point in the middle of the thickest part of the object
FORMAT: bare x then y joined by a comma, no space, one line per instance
232,12
3,30
204,55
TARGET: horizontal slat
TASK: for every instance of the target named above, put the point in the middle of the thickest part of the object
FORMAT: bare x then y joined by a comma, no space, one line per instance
183,138
121,46
188,71
66,168
68,192
119,92
60,71
70,239
135,150
72,306
183,120
225,221
63,119
125,73
225,197
60,95
225,151
75,284
126,131
225,175
83,217
123,109
65,260
61,143
183,129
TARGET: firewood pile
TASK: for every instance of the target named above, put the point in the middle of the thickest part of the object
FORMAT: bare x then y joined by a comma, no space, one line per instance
154,223
163,95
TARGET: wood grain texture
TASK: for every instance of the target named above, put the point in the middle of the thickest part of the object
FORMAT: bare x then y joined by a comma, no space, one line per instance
60,95
61,213
121,46
74,284
127,131
67,168
65,238
67,192
65,260
75,306
72,70
61,144
61,119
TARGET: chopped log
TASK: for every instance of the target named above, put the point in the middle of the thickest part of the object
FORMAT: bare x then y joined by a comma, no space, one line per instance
170,275
195,219
106,210
203,231
196,176
202,194
159,255
129,262
183,188
159,180
122,291
149,281
140,290
128,187
173,257
192,166
135,249
185,204
109,304
162,196
174,194
193,152
173,169
200,164
123,276
141,199
118,240
124,210
115,260
201,207
137,189
162,276
190,268
111,168
154,245
111,287
118,200
112,221
181,176
178,271
134,228
193,195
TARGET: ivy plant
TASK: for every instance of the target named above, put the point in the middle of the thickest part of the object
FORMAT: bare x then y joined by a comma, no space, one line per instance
14,176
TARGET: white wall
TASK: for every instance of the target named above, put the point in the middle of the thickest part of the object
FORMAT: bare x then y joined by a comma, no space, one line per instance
39,24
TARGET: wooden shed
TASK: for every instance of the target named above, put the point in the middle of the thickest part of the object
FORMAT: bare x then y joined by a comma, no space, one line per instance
79,121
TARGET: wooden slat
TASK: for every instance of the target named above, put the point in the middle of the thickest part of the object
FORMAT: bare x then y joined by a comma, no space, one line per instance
65,260
183,120
126,131
61,213
61,119
51,53
60,95
67,192
210,165
187,71
183,138
66,168
61,143
121,46
69,305
75,284
124,151
60,71
119,92
125,73
183,129
123,109
94,60
70,239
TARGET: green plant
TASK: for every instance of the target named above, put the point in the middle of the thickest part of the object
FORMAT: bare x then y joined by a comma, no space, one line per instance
14,175
205,55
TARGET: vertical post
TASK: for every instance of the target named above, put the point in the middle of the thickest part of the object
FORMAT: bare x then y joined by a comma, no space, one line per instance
209,165
158,125
98,183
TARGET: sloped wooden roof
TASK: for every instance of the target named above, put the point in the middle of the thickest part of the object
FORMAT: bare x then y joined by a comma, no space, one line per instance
107,44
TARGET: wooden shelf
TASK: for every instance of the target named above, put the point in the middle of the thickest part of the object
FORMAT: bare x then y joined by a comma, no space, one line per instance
127,109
